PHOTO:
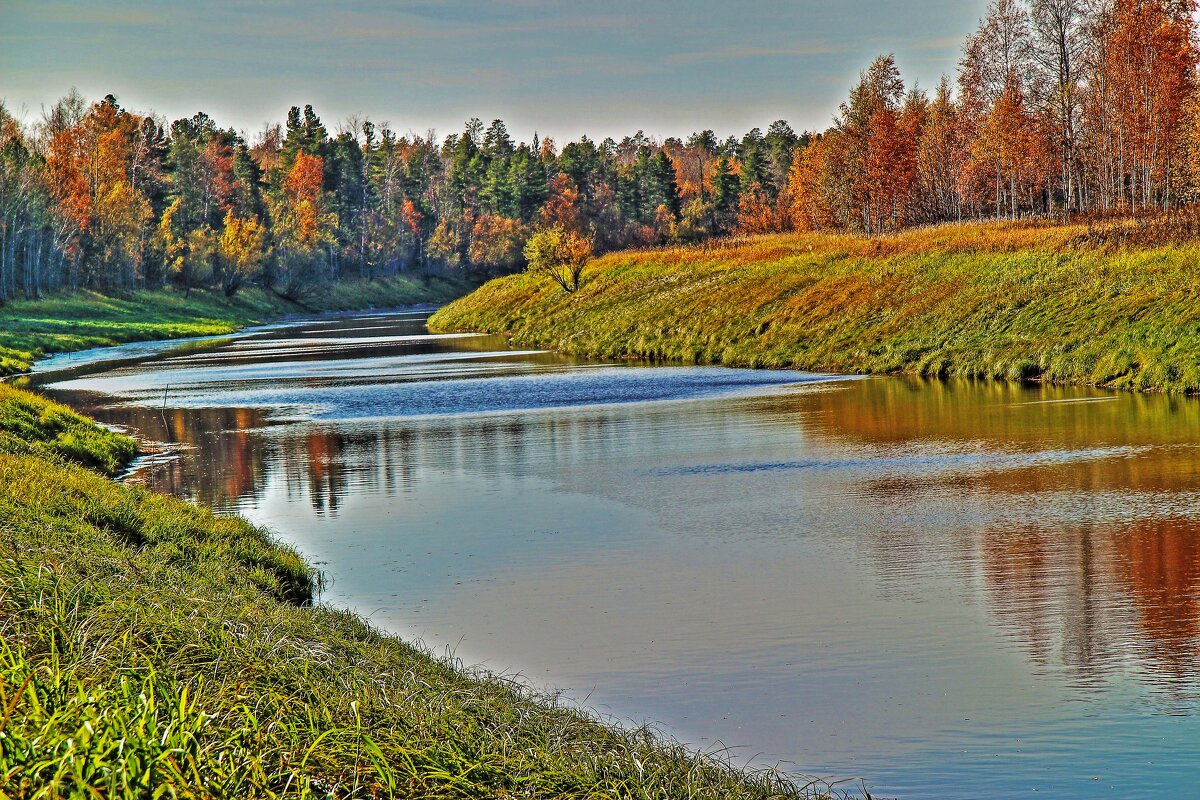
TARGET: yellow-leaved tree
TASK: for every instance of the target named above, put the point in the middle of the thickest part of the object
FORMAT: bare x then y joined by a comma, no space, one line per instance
559,253
187,256
241,250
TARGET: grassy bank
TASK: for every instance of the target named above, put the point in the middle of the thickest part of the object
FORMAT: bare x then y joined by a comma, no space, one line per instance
30,329
149,648
1113,305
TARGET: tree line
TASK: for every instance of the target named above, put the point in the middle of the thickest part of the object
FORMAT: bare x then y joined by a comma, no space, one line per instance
1059,106
95,195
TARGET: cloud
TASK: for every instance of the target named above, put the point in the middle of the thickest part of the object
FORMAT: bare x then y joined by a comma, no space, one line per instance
940,43
65,12
469,23
559,65
728,52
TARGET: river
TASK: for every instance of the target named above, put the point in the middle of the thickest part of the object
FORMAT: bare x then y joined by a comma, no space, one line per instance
947,589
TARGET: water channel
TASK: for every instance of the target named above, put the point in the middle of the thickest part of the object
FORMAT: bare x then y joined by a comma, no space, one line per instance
949,589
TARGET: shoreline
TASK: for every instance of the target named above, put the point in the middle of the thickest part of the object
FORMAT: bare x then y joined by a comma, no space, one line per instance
1024,301
71,322
238,329
347,709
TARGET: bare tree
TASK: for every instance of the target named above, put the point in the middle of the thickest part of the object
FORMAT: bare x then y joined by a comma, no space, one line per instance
1000,47
1059,39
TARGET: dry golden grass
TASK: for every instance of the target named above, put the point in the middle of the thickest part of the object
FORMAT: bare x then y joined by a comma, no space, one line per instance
1107,302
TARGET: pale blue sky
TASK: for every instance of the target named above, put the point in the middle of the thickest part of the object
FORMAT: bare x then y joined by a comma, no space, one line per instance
606,67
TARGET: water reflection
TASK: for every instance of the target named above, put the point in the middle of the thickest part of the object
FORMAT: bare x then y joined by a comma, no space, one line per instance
948,587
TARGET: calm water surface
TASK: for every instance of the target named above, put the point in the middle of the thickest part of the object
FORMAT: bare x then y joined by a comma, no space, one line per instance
948,589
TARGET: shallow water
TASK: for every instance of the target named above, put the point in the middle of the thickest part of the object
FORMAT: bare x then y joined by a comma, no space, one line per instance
947,589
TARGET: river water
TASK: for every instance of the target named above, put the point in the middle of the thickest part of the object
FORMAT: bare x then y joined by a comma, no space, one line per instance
946,589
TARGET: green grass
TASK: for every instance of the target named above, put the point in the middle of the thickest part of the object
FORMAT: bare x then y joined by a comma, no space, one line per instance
36,426
151,649
1066,303
76,321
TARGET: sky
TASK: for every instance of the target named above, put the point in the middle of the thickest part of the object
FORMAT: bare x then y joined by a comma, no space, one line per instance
561,68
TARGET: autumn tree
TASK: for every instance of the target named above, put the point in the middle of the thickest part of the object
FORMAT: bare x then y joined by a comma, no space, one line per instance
241,251
1142,76
119,214
27,219
563,205
878,157
756,211
448,244
998,50
1059,38
497,243
941,159
559,253
821,185
305,226
188,253
694,160
1061,105
1005,147
890,169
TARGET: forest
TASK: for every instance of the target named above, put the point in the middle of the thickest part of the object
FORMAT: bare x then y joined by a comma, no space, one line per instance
1059,107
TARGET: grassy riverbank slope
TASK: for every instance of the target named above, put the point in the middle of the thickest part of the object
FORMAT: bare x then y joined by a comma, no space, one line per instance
151,649
1113,305
30,329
